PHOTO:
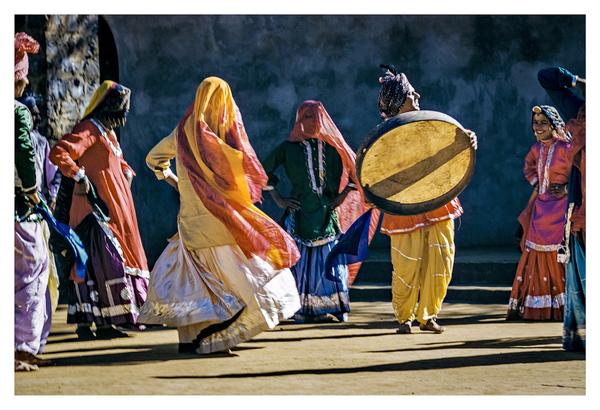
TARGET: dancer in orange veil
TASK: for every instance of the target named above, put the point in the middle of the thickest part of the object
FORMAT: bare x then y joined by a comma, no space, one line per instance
224,277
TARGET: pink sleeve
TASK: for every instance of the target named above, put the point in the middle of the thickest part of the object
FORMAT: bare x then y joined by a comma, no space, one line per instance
70,148
530,168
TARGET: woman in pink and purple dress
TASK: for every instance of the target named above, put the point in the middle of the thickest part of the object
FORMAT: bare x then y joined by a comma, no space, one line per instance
538,291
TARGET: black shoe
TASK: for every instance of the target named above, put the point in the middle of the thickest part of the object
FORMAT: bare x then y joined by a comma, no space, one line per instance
105,333
85,333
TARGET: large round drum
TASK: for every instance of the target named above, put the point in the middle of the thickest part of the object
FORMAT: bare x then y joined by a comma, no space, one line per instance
415,162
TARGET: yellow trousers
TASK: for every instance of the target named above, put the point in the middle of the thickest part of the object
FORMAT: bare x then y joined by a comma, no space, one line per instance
422,261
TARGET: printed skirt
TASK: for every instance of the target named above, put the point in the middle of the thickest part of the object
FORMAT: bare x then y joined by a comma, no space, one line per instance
538,291
109,295
320,295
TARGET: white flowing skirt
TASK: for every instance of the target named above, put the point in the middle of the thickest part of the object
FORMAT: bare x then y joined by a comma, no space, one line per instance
194,289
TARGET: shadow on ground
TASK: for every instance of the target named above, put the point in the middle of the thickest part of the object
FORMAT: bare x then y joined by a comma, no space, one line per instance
518,342
141,354
390,323
538,356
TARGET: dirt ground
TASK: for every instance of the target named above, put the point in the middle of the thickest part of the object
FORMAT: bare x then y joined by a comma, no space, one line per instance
480,353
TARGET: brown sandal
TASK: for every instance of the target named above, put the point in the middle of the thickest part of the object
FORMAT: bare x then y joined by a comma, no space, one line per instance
432,326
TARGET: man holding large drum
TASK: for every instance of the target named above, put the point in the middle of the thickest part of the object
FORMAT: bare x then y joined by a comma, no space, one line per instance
422,244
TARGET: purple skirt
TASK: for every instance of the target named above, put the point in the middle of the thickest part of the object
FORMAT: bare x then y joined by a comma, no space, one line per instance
108,295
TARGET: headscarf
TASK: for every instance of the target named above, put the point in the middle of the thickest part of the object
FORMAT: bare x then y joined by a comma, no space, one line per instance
226,174
558,125
31,102
313,121
23,44
109,104
394,89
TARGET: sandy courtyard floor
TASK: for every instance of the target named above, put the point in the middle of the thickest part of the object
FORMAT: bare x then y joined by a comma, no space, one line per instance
480,353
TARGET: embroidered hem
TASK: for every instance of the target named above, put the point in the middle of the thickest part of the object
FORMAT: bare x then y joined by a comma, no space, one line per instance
290,227
431,221
541,248
137,272
319,305
538,302
187,313
105,312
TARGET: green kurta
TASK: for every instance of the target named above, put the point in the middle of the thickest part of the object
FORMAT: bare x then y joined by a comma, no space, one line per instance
315,221
25,180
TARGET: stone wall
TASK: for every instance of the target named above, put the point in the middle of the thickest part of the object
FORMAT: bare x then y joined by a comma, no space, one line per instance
479,69
73,69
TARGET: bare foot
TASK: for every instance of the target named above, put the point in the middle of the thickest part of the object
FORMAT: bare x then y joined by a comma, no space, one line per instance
24,366
26,357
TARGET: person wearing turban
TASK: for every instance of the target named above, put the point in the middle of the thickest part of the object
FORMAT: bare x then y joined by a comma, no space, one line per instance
422,246
224,277
32,302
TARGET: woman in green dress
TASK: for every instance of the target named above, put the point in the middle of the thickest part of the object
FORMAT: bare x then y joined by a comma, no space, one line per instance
320,167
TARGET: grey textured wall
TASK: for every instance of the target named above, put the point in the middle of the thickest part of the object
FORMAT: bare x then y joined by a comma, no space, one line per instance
73,70
479,69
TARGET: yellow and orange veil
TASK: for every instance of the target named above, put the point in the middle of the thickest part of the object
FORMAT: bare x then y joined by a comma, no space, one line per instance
226,174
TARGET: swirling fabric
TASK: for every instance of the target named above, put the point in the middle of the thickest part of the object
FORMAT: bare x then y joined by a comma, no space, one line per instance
226,175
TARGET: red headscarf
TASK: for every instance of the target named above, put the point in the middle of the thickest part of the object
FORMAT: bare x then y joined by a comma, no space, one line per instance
313,121
23,44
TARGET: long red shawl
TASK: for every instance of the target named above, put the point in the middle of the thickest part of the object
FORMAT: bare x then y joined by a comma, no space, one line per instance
313,121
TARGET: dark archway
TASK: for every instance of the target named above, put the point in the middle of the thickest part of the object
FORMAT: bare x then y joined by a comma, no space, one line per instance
107,54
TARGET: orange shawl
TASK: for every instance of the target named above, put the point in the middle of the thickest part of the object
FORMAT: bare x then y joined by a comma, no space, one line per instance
226,175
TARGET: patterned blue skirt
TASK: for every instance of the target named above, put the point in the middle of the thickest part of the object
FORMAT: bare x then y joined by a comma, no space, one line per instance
318,294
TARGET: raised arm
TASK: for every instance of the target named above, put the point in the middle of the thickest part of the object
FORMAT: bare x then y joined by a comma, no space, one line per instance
558,83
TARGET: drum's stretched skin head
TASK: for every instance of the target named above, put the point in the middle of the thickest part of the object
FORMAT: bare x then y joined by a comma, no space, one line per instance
415,162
